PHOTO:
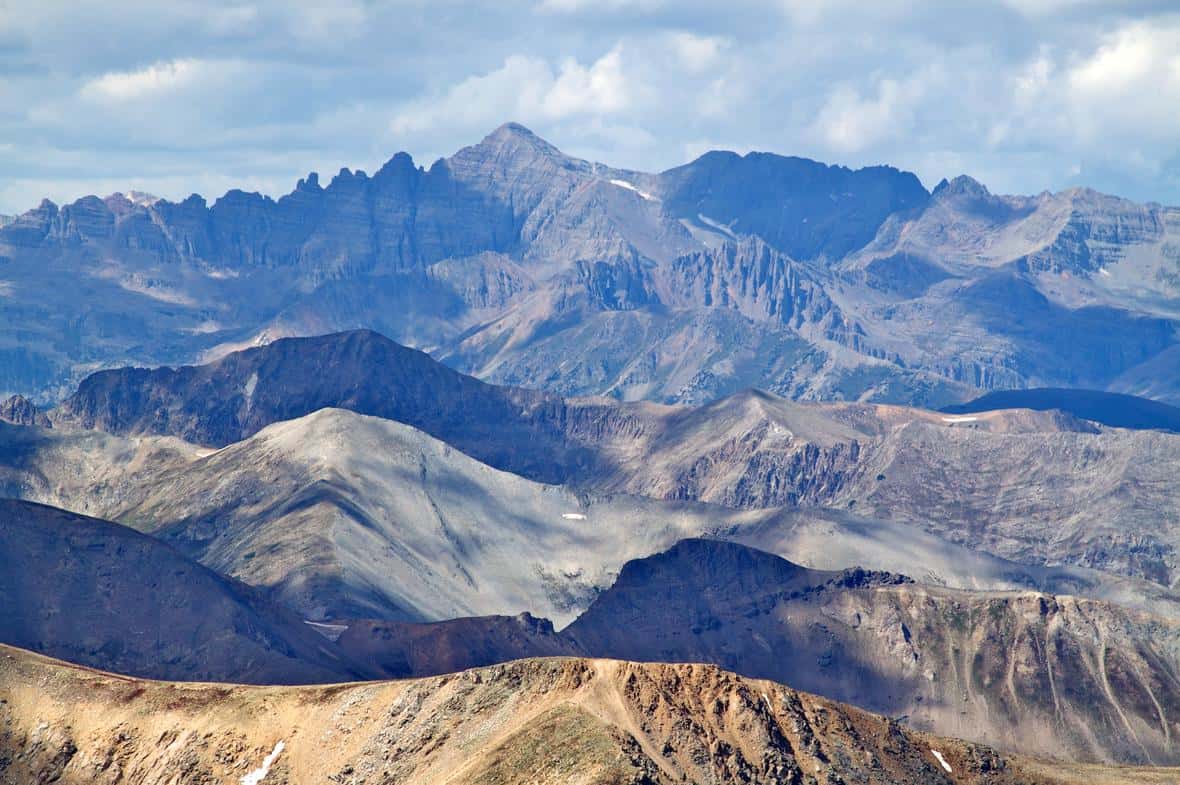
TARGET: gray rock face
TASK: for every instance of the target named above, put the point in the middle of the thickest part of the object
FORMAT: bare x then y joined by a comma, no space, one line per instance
804,208
521,265
19,410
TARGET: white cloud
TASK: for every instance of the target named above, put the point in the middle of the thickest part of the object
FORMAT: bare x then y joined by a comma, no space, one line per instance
850,122
515,88
1044,7
328,21
697,53
154,79
602,88
524,88
1127,59
1017,90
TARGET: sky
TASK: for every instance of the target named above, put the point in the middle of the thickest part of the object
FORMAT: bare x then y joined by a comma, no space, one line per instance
196,96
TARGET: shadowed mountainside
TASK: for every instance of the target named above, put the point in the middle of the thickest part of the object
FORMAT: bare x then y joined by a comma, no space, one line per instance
98,593
1114,409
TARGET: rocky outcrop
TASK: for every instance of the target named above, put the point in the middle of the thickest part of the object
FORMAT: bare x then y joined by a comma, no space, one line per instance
19,410
753,278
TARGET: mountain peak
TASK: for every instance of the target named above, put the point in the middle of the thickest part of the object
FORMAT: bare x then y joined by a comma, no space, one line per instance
514,136
963,185
512,129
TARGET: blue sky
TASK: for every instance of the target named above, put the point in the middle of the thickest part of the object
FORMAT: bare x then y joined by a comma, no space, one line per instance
181,97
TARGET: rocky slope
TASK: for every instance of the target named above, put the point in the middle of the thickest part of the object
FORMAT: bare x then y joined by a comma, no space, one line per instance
341,515
350,516
1105,493
523,265
100,594
559,721
1041,674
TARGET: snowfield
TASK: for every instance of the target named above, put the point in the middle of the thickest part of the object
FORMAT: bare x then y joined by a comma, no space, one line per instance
634,188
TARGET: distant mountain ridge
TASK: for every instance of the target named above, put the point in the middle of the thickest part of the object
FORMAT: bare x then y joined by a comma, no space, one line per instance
1114,409
521,265
748,451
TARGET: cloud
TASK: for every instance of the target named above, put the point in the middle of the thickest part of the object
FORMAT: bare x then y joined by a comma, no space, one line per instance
601,88
515,89
697,53
154,79
1025,94
850,122
576,6
524,88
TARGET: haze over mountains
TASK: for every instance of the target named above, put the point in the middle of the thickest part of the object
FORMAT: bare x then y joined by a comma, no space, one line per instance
521,265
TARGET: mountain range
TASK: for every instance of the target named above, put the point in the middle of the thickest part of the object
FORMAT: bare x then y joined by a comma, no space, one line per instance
357,509
1088,484
521,265
524,468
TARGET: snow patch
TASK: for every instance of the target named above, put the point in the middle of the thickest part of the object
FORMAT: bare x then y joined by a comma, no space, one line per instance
942,760
725,230
140,198
573,516
251,384
256,776
959,419
635,189
330,631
